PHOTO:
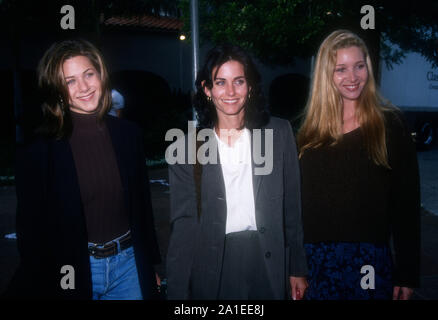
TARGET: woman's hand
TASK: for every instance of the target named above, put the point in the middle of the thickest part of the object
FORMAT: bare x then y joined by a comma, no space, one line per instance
402,293
157,278
299,286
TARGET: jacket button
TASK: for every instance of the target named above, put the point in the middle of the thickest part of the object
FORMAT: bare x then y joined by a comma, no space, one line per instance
262,230
268,254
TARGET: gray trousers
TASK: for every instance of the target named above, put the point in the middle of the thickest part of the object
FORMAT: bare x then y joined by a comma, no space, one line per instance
244,275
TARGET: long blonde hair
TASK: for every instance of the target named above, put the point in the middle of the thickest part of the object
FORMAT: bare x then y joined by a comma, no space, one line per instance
322,124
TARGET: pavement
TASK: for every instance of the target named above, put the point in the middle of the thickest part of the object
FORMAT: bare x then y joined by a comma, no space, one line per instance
428,164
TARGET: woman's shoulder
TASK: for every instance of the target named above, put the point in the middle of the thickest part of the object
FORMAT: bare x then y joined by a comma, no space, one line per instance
35,145
398,134
278,124
395,121
281,127
123,125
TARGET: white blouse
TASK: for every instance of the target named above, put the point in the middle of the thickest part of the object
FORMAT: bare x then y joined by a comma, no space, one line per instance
237,171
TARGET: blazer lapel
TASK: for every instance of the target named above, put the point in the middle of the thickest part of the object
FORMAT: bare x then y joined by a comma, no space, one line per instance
257,179
212,177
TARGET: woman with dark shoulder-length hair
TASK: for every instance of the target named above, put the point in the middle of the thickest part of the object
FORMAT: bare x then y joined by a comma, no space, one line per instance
360,182
84,217
236,228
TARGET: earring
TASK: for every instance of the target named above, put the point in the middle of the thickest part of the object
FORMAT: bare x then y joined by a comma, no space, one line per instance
62,105
208,98
249,96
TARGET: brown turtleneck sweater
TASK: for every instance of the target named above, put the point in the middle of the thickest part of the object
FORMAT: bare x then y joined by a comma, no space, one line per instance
99,179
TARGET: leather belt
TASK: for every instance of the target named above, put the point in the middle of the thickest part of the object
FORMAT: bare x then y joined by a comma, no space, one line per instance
110,248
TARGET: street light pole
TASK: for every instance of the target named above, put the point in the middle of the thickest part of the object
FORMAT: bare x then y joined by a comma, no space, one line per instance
195,44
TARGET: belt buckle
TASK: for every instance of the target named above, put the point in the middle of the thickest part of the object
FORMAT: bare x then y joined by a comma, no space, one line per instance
97,252
93,250
110,245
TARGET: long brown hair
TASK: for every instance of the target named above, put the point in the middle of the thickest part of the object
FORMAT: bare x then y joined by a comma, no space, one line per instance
56,111
322,124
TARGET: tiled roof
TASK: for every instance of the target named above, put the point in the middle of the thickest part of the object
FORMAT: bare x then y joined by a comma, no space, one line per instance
145,22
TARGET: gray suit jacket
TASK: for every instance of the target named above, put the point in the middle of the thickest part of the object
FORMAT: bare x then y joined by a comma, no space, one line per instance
196,246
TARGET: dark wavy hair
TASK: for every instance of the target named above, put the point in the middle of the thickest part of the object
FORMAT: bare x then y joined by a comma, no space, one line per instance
53,87
256,112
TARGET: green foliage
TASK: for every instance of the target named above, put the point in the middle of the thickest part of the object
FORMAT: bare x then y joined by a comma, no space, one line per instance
413,26
268,28
277,31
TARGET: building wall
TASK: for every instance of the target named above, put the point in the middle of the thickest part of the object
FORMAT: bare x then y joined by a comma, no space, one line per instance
163,54
409,84
171,58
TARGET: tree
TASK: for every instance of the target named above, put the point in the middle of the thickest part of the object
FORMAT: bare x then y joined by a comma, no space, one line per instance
278,31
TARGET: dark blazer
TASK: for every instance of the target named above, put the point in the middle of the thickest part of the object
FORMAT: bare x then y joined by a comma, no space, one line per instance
51,228
196,248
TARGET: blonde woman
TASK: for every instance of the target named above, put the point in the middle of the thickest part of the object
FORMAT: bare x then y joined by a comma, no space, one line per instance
360,185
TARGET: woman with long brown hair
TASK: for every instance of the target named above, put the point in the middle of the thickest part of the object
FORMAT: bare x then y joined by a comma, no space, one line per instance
84,216
360,185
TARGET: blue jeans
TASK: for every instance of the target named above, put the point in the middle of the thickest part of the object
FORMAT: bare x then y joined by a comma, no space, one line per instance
115,277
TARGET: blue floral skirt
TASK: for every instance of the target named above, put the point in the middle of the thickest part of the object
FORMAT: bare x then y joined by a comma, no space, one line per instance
349,271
